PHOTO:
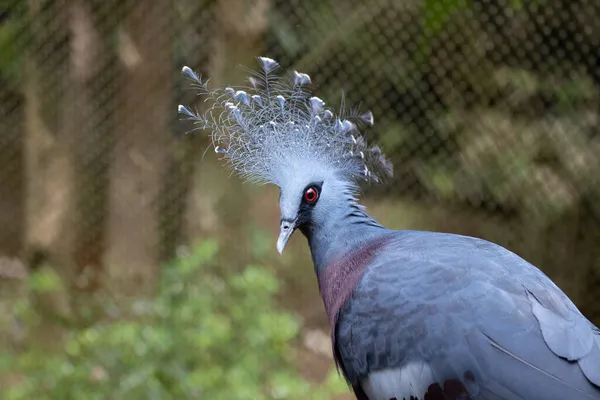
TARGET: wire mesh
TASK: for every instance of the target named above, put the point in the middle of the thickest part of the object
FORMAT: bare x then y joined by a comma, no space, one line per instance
488,108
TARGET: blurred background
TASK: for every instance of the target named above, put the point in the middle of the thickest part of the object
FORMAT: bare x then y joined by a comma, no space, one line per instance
134,267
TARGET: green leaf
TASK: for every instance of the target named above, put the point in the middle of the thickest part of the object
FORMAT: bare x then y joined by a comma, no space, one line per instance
45,281
201,337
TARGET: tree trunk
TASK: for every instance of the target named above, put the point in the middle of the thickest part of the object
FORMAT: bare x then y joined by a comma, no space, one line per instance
87,120
66,148
141,148
48,166
11,172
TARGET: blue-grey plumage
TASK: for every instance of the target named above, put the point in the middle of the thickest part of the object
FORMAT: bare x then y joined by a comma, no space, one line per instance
462,308
413,314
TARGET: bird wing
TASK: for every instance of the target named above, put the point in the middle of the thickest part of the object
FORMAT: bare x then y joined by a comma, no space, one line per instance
434,308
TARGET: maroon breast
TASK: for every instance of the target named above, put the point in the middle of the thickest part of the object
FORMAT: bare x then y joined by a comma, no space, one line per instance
340,277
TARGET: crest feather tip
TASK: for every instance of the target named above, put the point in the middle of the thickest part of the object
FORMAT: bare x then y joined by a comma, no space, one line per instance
301,79
268,64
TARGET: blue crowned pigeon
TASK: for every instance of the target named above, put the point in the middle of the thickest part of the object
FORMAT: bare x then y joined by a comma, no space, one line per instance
413,315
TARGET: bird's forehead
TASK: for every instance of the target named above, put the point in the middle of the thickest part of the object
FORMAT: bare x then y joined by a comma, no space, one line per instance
294,179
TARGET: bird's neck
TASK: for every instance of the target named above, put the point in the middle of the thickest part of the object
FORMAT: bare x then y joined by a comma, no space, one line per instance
340,233
342,246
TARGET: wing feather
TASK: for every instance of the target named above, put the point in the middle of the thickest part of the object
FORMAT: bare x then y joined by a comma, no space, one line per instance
469,309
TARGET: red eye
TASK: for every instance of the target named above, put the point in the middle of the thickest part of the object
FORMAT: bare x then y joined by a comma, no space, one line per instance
311,195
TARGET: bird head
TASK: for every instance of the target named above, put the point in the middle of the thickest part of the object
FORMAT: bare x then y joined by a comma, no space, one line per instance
274,131
308,198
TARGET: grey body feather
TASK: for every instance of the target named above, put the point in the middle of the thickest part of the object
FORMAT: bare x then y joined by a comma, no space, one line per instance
467,307
408,309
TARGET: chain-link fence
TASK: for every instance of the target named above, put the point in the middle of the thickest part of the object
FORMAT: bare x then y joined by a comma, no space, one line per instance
489,110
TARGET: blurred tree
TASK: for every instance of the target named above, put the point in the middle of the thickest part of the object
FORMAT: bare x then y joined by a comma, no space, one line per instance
48,163
142,142
66,150
88,118
13,36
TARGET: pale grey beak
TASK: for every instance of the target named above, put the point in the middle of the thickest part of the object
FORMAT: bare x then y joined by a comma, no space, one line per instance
286,230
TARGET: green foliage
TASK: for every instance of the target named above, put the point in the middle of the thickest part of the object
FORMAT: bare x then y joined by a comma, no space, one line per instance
44,281
437,13
434,17
202,337
538,163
